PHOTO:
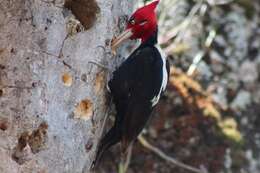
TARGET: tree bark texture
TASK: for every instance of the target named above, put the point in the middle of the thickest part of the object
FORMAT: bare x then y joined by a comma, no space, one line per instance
52,101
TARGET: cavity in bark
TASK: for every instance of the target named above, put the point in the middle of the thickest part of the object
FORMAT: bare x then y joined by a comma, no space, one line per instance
85,11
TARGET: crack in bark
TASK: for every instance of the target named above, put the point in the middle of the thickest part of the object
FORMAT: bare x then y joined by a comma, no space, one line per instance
16,87
62,45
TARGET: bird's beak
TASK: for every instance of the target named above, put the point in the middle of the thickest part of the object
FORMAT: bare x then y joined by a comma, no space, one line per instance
122,37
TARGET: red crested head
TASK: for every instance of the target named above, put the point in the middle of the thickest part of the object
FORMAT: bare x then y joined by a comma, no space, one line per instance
143,22
141,25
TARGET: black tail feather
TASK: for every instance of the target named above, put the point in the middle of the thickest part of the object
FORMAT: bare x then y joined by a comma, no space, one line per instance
111,138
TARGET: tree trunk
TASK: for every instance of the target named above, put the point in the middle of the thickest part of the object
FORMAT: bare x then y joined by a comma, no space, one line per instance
52,101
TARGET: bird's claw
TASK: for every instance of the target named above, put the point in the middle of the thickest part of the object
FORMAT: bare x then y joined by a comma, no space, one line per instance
99,65
106,52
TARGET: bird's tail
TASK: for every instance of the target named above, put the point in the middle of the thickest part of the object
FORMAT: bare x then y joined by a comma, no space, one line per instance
111,138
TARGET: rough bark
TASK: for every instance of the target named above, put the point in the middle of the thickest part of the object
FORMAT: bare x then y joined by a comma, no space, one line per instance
44,76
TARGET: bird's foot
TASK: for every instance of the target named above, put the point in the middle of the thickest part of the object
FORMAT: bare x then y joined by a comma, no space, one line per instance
106,52
99,65
105,67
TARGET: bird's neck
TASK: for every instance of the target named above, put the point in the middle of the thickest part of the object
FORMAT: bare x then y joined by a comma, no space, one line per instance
150,39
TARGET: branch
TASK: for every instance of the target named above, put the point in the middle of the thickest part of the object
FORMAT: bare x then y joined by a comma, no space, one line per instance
201,54
128,159
180,30
161,154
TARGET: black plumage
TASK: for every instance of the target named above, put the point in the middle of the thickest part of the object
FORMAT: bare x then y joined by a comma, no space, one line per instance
135,88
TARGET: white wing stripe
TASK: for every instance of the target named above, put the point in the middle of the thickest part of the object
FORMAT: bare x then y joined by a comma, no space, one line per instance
164,79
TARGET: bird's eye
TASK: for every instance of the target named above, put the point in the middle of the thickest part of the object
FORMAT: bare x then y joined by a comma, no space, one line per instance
132,21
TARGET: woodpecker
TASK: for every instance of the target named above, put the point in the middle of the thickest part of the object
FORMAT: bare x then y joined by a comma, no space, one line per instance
138,83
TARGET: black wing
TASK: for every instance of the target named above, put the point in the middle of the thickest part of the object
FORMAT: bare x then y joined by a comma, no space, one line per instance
134,85
168,68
